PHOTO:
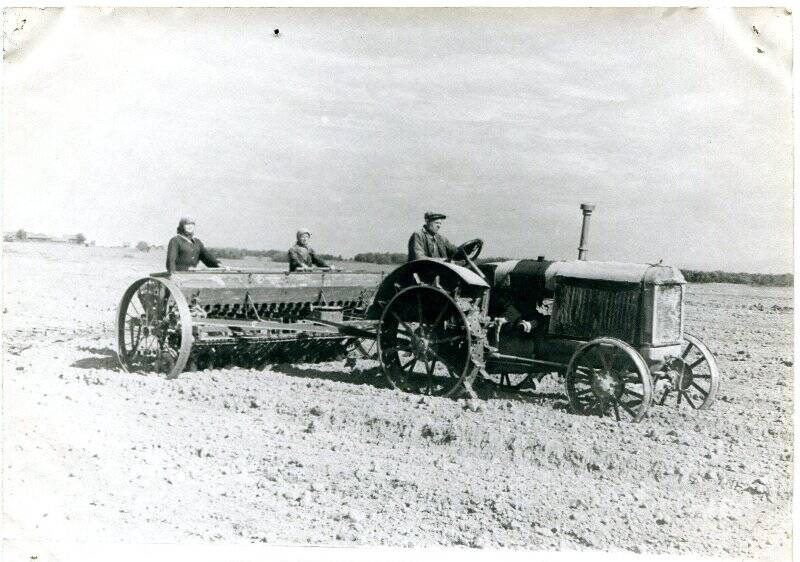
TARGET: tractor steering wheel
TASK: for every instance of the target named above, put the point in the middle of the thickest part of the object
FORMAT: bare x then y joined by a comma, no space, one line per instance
469,251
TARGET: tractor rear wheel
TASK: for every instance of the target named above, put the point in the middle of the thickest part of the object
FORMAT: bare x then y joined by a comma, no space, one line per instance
424,342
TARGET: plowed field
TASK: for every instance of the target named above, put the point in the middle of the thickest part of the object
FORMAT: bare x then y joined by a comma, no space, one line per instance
325,454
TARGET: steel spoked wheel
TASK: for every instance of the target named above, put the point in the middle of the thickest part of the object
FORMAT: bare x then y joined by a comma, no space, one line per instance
154,329
691,379
424,342
608,377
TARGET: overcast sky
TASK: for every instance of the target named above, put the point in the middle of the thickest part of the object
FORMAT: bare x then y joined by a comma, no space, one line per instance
353,123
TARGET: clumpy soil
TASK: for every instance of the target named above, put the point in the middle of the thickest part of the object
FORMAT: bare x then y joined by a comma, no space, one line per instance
326,454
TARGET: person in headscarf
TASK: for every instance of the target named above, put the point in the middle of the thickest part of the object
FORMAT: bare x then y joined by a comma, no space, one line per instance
302,257
185,250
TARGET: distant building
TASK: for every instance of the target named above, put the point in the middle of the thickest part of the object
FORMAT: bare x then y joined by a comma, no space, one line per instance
38,237
66,239
77,239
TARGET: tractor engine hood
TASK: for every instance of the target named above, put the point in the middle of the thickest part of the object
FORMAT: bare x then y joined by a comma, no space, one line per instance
546,272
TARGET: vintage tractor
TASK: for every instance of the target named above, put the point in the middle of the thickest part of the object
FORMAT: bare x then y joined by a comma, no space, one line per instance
614,331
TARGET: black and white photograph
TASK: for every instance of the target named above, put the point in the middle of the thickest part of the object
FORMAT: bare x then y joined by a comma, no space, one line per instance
393,283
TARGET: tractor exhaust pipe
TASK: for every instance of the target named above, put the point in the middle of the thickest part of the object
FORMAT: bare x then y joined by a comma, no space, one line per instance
587,209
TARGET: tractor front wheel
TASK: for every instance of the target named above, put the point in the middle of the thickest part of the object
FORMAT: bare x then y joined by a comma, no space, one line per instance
691,380
606,376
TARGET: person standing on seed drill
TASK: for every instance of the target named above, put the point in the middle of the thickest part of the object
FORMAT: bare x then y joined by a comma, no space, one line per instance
185,250
428,243
301,257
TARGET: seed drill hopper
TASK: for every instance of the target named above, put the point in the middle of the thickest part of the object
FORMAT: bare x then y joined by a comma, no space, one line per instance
215,318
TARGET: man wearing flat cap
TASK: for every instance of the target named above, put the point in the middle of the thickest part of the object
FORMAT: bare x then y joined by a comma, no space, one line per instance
428,243
185,250
301,257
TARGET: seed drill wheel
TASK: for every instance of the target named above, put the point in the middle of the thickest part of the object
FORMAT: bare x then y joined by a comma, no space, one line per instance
424,342
607,374
154,328
691,379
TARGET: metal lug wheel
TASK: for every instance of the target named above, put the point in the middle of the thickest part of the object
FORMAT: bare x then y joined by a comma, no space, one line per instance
424,342
607,376
691,379
154,328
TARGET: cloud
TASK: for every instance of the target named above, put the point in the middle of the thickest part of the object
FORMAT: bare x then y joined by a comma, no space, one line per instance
354,122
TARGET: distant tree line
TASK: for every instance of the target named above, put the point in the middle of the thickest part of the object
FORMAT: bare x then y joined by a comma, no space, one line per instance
382,258
692,276
395,258
767,279
273,255
239,253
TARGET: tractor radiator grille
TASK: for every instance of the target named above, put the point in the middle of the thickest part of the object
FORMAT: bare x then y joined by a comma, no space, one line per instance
589,309
668,313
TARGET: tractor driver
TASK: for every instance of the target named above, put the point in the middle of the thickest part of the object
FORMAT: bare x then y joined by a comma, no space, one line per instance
428,243
301,257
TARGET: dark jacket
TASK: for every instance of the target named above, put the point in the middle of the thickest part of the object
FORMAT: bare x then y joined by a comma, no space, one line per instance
424,244
303,256
183,254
